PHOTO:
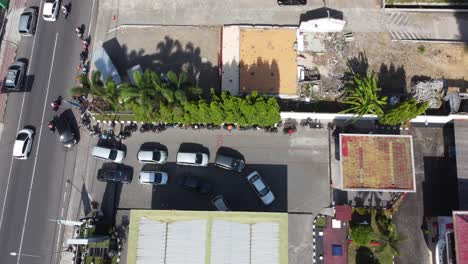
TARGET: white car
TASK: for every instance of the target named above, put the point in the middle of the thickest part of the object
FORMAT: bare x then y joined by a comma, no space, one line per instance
23,144
260,188
152,156
50,10
153,177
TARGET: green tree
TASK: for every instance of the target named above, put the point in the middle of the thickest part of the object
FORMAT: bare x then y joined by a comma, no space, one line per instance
363,97
361,234
403,112
107,92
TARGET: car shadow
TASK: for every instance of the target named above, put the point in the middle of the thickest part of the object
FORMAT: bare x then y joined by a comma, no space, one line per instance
193,148
230,152
152,146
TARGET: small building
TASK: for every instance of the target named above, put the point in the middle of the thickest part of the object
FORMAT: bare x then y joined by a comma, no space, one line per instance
381,163
159,236
261,59
460,226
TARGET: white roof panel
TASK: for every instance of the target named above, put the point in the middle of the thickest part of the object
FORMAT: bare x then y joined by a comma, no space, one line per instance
230,242
265,243
151,245
186,241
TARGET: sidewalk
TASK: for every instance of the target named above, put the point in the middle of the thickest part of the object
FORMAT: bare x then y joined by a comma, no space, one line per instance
9,45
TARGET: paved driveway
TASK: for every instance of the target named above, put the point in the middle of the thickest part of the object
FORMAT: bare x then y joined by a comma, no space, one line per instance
295,167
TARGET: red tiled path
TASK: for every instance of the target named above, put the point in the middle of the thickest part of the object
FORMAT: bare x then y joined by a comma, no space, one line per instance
331,237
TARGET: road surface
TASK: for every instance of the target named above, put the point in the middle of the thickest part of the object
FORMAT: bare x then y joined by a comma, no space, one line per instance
32,191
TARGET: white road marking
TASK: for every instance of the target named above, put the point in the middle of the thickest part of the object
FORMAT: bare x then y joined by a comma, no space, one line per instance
37,150
19,122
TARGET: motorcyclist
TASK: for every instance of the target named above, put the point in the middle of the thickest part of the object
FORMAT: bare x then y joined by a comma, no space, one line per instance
51,126
65,11
79,32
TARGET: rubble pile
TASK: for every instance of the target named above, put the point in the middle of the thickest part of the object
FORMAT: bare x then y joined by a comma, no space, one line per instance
429,91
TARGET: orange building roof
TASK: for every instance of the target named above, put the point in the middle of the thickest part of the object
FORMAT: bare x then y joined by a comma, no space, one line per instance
377,162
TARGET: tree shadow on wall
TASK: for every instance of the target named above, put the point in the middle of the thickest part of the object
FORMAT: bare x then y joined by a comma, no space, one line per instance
261,76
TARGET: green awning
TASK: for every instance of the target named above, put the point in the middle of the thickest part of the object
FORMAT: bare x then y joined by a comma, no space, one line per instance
4,4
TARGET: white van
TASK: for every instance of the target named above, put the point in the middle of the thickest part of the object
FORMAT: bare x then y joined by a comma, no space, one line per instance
192,159
103,153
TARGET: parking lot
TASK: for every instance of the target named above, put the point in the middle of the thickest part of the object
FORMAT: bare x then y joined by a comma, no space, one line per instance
295,168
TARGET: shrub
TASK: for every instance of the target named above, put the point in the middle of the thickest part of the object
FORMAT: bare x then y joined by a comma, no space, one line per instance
361,234
403,112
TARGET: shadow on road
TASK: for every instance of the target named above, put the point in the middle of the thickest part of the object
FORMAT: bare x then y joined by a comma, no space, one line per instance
233,186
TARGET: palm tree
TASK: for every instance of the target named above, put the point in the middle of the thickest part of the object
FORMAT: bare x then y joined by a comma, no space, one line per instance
363,96
181,87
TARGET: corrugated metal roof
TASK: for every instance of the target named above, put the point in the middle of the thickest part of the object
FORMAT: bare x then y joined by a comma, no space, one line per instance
230,242
186,242
151,245
265,243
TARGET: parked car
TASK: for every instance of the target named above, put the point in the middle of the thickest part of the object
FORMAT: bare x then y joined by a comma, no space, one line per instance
23,143
50,10
219,203
292,2
65,131
15,76
230,163
192,159
27,22
153,177
260,188
152,156
108,154
194,183
118,174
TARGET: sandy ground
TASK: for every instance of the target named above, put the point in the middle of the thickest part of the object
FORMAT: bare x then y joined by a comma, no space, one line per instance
395,63
268,61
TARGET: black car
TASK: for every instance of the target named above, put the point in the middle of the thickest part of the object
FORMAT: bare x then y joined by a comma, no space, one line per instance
292,2
119,174
65,131
194,183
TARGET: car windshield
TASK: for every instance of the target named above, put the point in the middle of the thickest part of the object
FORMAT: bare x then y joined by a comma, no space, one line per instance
25,145
156,155
198,158
157,177
259,185
113,154
22,136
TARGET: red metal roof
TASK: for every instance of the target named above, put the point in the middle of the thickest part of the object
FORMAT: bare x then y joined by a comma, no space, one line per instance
343,212
460,222
334,236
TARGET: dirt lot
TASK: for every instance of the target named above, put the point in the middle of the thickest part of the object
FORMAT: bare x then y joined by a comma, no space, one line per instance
163,48
396,63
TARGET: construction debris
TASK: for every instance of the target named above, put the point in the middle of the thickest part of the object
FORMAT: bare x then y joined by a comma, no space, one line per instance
429,91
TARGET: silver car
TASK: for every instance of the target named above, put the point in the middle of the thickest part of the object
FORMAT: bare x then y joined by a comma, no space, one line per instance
153,177
152,156
27,22
15,75
260,188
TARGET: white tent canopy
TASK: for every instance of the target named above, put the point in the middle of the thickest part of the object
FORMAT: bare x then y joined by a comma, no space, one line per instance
323,25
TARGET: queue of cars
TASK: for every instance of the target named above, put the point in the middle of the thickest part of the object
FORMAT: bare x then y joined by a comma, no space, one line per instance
155,155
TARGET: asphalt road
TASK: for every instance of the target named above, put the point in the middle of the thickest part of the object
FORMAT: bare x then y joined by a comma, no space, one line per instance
32,191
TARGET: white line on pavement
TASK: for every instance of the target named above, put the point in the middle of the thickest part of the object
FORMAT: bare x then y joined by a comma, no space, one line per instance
19,122
37,150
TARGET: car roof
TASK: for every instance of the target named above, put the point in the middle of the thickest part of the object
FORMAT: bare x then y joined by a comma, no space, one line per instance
47,8
23,21
18,148
148,155
259,184
147,176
